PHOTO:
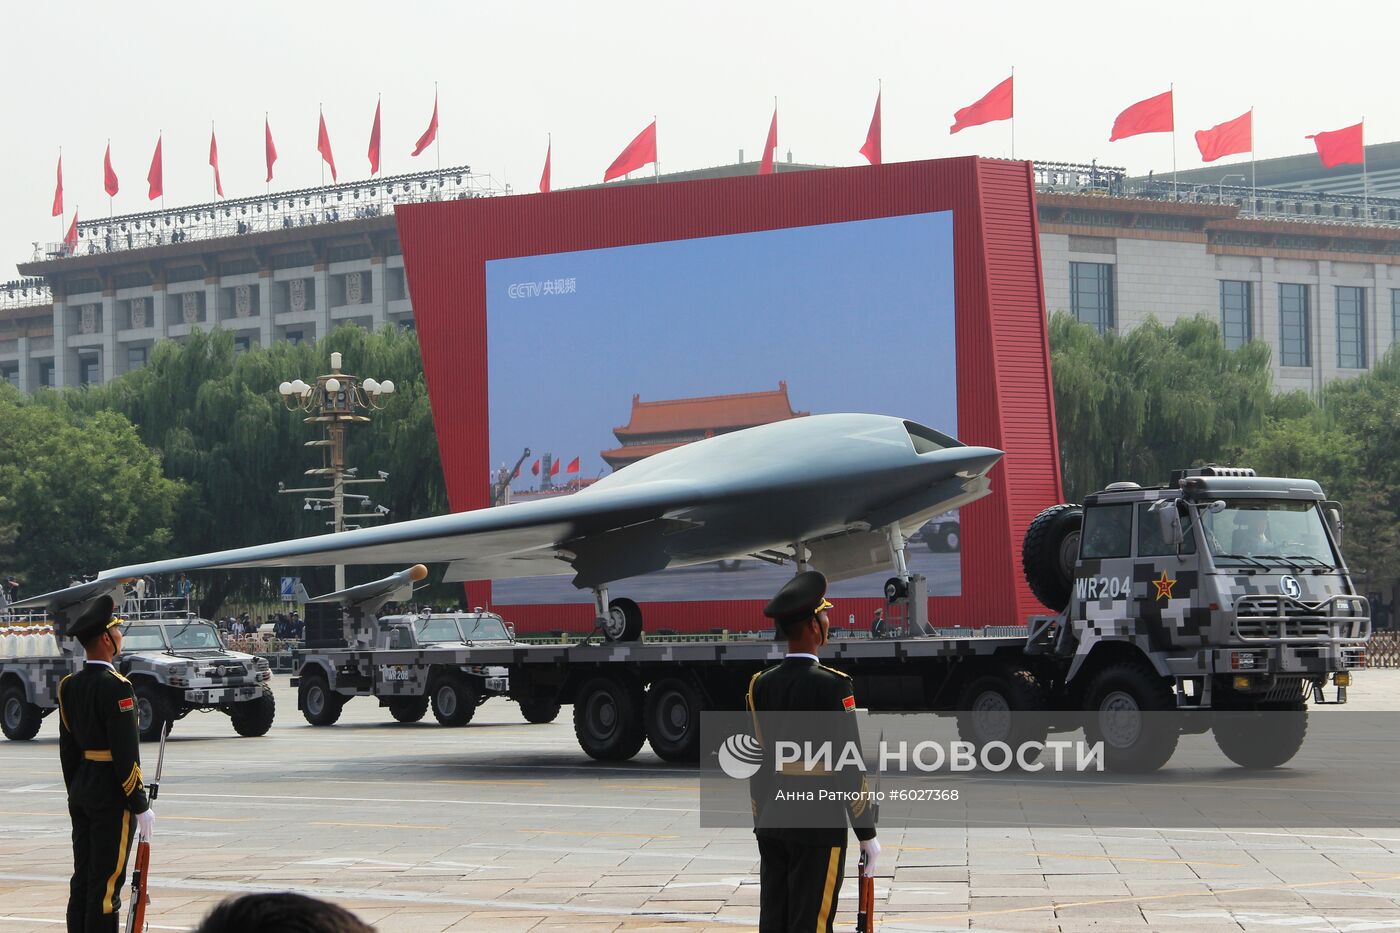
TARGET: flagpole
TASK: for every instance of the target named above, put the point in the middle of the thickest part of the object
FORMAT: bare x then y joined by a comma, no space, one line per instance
321,112
379,100
160,141
1172,88
110,210
1013,113
1365,187
1253,196
437,137
62,230
267,130
656,162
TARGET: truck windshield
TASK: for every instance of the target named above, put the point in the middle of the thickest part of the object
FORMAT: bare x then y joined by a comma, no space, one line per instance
484,628
194,635
1272,532
143,638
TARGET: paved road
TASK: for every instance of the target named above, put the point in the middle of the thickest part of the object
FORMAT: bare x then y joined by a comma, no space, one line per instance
506,826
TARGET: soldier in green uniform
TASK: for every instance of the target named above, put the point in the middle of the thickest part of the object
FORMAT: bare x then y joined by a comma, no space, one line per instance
801,865
98,745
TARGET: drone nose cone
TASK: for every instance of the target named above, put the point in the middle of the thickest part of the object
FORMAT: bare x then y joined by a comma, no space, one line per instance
966,462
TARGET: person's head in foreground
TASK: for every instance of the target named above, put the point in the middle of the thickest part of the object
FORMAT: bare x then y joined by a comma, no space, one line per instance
280,913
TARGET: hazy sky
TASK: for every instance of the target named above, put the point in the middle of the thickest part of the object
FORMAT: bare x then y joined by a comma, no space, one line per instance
594,73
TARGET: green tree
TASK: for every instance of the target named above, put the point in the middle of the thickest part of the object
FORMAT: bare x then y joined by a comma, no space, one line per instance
1135,406
76,488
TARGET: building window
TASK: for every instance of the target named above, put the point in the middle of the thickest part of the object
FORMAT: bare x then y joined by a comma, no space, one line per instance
294,337
241,344
1351,327
1091,294
1236,314
89,370
46,373
1293,344
11,375
136,357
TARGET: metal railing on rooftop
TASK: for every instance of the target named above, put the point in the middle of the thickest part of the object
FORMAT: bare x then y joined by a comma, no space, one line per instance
25,293
1254,203
279,210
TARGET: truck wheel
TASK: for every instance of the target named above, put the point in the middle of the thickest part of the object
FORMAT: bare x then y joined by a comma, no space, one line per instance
1263,738
672,717
608,719
318,703
1049,552
454,700
539,711
153,710
1004,706
624,621
19,718
409,709
254,717
895,588
1128,705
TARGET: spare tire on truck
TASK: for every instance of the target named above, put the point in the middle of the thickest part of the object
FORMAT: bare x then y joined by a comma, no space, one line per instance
1049,552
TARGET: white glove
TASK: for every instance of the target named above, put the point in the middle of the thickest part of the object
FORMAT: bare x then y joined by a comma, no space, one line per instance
146,825
870,848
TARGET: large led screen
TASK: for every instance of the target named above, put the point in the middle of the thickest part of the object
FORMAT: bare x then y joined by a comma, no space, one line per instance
597,358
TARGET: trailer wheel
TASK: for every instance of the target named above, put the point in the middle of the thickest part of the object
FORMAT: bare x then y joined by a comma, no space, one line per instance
409,709
1264,738
539,711
608,719
672,716
254,717
454,699
319,705
1127,705
895,588
1049,552
624,622
1004,706
19,718
153,710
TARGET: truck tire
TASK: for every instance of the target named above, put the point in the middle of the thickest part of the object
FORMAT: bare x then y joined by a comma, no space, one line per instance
253,718
608,719
624,620
672,716
1007,705
19,718
454,699
153,710
1265,738
1128,705
1049,552
318,703
942,539
409,709
539,712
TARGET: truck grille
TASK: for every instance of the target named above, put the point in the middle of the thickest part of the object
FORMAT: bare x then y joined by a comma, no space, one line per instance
1285,620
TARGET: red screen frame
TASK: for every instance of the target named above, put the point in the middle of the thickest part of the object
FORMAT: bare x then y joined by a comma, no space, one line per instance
1004,391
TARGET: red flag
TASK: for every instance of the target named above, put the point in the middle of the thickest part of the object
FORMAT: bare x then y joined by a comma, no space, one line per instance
58,192
323,146
544,176
554,468
70,239
109,177
214,162
155,177
1153,115
995,105
374,142
640,151
430,133
871,149
269,149
535,468
1340,147
573,466
766,166
1228,138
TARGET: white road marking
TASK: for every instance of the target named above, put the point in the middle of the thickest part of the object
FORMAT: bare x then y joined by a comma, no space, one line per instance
32,788
59,923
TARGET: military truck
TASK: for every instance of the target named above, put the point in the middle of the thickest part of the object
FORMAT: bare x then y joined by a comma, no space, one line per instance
176,663
417,672
1217,591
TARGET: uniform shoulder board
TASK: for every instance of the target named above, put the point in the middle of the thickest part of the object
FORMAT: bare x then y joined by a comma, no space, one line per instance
835,671
115,673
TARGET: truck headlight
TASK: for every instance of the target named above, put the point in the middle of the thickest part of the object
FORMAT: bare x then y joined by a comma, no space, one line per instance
1342,679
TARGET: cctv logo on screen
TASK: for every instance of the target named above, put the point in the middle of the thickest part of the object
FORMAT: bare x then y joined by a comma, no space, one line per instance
539,289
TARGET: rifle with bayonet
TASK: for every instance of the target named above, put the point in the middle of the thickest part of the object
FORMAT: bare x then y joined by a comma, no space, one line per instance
140,872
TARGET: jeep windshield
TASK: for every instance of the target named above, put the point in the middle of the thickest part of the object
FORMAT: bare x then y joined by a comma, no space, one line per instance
484,628
1268,533
143,638
194,635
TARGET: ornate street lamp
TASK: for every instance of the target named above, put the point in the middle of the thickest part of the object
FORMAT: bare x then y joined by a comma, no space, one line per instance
336,401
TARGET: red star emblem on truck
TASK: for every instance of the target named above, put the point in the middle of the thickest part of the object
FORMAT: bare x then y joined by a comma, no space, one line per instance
1164,586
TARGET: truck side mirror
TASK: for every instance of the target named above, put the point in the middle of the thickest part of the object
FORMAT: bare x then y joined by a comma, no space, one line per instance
1170,521
1332,511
